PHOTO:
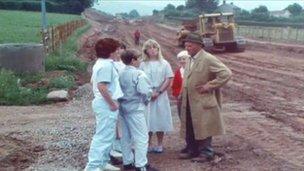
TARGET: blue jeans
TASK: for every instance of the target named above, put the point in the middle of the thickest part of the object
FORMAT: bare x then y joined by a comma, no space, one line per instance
104,135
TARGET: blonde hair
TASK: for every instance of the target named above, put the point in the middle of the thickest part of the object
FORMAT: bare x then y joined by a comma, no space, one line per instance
150,43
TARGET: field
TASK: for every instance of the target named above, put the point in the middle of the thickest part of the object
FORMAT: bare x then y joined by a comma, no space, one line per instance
24,27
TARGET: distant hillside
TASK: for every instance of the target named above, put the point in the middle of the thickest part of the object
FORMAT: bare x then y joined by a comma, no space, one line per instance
58,6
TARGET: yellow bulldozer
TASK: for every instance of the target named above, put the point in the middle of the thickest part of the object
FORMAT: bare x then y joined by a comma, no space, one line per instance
218,33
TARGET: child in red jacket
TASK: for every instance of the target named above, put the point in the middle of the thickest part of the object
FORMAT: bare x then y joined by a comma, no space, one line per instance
177,82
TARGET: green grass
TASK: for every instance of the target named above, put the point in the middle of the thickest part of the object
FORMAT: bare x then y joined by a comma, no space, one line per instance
13,93
64,58
24,27
27,89
17,89
62,82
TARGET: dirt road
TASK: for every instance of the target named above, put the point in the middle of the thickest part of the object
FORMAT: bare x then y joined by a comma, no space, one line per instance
263,112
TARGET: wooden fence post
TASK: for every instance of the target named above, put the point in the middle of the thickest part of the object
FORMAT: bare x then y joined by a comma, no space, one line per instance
269,35
282,33
262,33
53,38
297,34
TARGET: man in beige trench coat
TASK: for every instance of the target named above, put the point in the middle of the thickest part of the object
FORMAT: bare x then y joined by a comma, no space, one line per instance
200,114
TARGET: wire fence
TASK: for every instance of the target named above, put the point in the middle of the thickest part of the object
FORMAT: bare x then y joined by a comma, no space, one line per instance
272,34
54,36
285,32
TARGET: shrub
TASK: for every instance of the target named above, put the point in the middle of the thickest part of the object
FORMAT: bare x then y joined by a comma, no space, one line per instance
12,93
62,82
71,64
8,84
29,78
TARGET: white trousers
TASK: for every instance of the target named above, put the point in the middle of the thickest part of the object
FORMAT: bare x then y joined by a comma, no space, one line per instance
104,136
135,134
116,144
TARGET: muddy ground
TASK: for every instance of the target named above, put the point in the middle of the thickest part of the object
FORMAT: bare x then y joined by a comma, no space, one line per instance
263,111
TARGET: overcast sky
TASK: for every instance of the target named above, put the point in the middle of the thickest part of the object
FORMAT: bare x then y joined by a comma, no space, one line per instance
145,7
270,4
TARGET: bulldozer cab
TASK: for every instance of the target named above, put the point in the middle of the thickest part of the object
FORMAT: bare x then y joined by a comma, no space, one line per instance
218,26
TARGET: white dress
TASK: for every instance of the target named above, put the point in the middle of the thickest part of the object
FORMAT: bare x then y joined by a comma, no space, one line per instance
159,117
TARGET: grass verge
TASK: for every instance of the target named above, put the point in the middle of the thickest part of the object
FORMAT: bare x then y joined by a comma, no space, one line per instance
27,89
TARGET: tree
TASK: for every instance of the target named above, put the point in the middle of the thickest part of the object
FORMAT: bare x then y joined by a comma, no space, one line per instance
170,10
180,7
202,5
169,7
243,15
134,14
155,12
260,13
124,15
86,3
295,9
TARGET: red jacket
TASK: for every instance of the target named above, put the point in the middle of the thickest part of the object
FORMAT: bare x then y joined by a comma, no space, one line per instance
177,83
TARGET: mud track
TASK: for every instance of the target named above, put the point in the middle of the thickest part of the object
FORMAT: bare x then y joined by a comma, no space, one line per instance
263,112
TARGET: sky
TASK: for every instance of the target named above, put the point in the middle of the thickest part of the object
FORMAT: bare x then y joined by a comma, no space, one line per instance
272,5
145,7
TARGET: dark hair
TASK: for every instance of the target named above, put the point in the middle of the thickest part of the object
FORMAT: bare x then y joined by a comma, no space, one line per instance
104,47
128,55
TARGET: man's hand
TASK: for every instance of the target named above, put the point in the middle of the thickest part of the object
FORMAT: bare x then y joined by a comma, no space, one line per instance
203,88
114,106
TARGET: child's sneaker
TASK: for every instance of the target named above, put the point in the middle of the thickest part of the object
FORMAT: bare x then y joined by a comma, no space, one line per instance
158,149
150,149
92,169
110,167
146,168
115,153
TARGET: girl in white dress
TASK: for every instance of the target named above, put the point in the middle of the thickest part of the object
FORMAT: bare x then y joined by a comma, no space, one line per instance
159,71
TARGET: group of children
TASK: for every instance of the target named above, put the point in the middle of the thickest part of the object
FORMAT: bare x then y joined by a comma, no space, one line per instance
134,92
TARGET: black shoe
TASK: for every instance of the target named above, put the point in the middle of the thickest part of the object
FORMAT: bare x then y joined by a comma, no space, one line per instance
115,161
215,158
129,167
184,150
188,155
208,155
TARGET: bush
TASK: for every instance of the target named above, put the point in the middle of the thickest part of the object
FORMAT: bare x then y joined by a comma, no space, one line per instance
29,78
71,64
63,82
12,93
174,13
8,83
31,6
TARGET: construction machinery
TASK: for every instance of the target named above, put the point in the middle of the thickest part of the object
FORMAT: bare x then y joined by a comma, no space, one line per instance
218,33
